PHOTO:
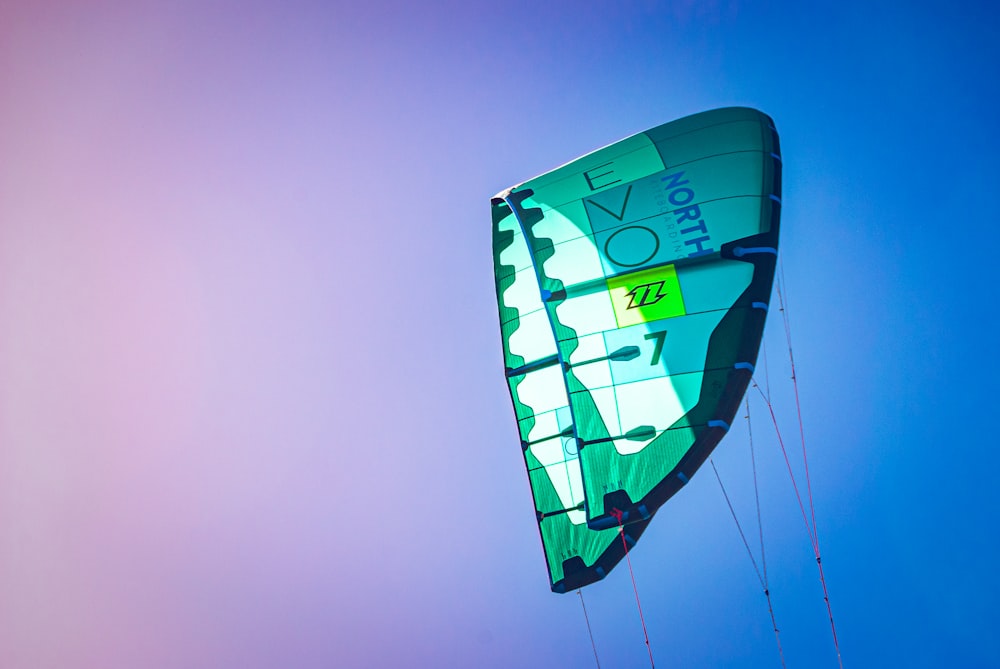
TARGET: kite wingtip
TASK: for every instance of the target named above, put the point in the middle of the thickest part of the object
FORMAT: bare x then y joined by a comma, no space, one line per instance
502,195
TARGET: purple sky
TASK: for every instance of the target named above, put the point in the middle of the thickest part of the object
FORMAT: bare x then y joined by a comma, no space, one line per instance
252,409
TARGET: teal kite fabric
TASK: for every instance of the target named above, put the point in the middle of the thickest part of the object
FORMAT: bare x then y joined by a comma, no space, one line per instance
633,285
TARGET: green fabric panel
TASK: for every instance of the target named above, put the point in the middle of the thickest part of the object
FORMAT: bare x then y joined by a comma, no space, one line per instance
542,409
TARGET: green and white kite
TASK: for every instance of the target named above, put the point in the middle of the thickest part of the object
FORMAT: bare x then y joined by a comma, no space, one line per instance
633,284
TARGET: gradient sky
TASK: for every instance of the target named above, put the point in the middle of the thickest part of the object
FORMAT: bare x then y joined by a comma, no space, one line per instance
252,412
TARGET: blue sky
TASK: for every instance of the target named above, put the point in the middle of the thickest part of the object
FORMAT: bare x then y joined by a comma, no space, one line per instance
252,410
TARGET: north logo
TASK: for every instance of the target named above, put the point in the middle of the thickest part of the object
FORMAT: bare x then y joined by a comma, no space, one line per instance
645,294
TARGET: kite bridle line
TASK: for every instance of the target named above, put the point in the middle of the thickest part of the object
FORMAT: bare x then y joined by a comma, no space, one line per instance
814,535
589,631
809,519
617,513
762,577
811,528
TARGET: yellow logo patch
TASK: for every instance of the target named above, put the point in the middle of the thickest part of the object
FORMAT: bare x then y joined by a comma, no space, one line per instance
645,296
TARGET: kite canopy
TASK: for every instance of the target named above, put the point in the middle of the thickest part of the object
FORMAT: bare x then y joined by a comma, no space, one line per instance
633,284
